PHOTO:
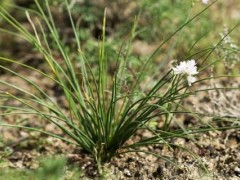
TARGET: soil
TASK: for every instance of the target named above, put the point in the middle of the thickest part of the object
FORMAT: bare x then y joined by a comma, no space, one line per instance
212,155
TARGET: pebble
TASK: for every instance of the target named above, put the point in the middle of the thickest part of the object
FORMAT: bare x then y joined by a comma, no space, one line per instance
237,170
127,172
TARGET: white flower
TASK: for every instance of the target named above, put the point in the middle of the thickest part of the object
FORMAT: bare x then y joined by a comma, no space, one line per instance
205,1
186,67
191,80
189,68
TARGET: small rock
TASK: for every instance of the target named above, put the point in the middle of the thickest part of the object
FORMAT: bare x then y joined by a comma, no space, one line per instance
237,171
127,173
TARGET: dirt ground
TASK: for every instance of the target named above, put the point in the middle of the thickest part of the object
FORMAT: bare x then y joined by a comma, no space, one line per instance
218,152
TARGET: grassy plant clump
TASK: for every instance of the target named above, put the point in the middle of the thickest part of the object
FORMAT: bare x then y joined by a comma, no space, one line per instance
103,110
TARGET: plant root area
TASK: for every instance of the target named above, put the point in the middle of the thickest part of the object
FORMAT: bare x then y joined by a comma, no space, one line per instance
210,155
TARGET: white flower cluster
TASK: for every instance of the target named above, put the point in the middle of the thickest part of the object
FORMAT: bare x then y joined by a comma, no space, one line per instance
189,68
205,1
